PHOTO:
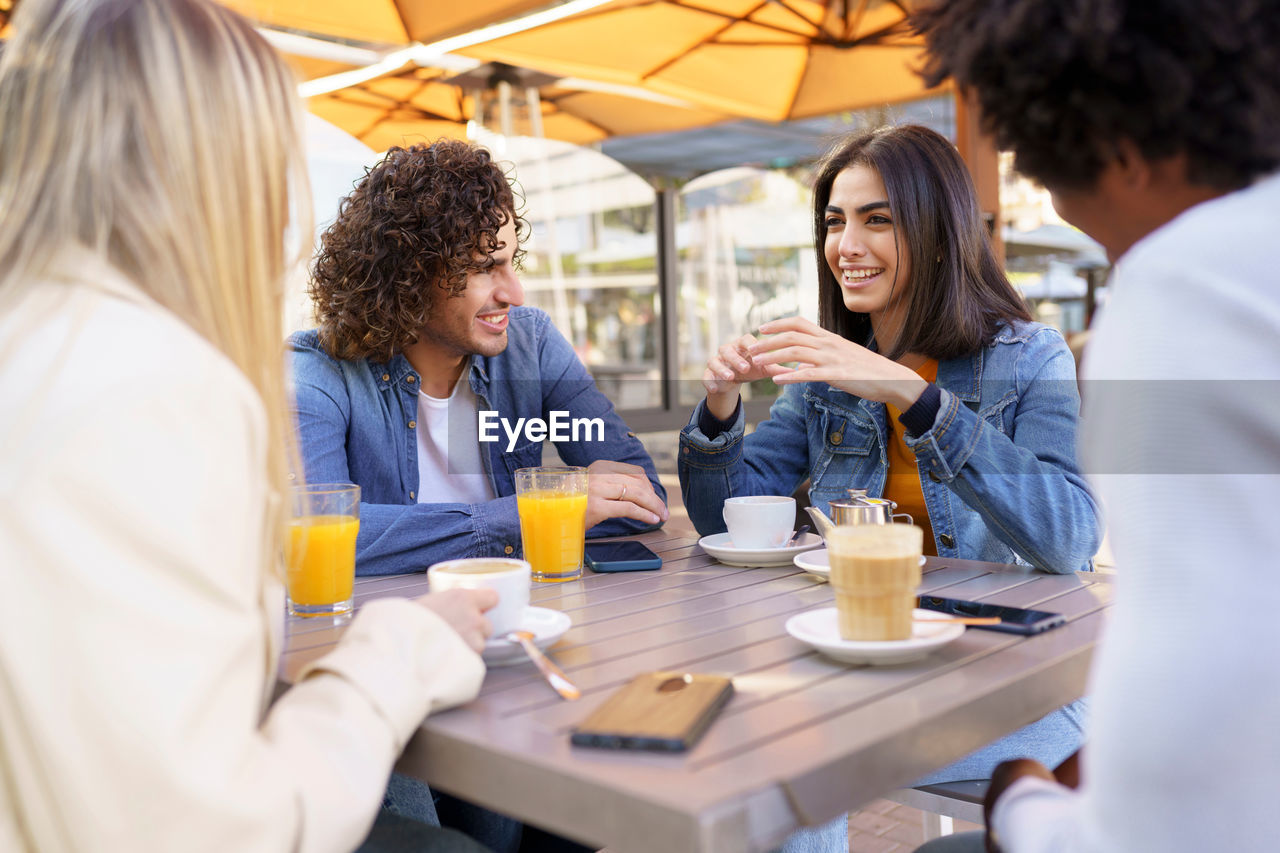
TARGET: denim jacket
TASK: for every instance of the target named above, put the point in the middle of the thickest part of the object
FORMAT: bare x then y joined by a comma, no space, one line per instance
356,420
998,468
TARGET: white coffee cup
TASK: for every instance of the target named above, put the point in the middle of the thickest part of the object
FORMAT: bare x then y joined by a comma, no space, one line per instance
759,521
510,578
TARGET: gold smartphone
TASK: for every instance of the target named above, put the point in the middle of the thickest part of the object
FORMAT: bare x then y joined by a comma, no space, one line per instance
665,711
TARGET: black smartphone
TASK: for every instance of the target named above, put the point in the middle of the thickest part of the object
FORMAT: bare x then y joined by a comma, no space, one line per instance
1013,620
663,711
627,556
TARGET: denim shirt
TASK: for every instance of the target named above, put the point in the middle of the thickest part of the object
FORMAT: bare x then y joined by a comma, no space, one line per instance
998,467
357,423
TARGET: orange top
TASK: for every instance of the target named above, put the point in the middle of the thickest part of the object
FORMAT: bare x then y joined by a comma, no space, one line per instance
902,485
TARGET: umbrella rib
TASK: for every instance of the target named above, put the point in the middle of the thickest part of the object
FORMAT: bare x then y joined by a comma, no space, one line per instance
851,26
837,45
744,18
788,7
710,39
395,105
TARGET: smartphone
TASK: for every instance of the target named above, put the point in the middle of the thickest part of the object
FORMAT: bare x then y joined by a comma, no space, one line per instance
627,556
663,711
1013,620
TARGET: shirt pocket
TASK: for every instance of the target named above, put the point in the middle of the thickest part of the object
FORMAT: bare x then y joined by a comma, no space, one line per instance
841,443
527,455
1000,413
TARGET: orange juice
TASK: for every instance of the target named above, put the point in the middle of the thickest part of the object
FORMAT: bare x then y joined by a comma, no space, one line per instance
553,527
321,557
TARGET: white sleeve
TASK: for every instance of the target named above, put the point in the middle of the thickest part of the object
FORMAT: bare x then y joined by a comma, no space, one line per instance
1037,816
134,645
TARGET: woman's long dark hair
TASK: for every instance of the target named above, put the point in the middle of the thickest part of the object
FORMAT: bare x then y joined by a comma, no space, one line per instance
959,296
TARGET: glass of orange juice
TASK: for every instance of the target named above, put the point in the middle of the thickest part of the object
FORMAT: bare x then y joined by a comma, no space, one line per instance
320,550
553,520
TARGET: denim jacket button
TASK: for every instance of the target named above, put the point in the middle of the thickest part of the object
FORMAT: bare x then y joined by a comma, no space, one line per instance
836,438
508,550
413,496
386,377
413,424
933,475
948,540
411,379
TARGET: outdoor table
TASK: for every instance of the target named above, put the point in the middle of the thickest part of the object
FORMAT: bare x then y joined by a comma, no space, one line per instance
804,738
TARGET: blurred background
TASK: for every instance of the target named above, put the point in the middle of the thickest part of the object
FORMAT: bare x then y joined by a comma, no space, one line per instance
664,151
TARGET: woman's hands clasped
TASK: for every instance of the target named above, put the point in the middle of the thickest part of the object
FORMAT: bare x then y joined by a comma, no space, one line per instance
731,366
817,355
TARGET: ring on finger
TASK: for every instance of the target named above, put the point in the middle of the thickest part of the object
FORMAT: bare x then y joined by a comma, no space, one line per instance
624,493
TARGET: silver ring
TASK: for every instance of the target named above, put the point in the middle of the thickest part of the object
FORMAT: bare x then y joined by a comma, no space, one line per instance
624,493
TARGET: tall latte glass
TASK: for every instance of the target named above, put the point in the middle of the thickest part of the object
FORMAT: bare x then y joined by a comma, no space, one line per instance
553,520
875,570
320,550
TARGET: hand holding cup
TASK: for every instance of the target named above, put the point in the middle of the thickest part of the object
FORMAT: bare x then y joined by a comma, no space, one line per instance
507,578
463,610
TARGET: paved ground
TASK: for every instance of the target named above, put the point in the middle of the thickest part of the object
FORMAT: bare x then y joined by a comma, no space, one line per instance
886,827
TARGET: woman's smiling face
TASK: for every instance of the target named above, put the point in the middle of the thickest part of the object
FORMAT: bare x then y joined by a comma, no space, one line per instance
865,252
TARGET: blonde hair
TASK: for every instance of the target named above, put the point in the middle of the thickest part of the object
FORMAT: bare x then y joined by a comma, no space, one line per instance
165,135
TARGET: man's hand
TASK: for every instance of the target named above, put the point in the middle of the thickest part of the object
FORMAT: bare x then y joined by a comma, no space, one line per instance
1068,772
620,490
1006,773
464,610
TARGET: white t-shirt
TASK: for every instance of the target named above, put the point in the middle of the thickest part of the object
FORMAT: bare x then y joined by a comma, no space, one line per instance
450,468
1181,436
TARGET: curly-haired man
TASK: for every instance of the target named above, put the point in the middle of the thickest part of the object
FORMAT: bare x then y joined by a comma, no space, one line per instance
423,350
1156,127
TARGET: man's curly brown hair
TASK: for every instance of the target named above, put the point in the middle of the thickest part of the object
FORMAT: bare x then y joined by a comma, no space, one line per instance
415,226
1060,82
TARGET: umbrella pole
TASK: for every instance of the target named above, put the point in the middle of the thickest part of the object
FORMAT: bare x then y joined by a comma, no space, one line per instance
559,300
504,107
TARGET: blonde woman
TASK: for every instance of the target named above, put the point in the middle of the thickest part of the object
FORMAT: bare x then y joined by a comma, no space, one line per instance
149,196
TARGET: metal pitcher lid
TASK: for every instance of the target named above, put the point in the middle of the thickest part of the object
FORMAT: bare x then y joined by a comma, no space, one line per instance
863,500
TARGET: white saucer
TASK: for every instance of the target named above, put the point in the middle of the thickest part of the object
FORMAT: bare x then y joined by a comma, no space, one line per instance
819,562
819,629
545,624
720,546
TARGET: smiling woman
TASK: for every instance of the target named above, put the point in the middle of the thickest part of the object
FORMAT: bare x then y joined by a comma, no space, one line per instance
149,220
924,380
924,383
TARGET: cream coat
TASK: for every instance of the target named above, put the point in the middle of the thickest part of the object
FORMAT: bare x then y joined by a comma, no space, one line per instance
138,631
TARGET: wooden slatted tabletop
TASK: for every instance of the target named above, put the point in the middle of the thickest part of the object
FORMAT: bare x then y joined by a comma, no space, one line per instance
803,739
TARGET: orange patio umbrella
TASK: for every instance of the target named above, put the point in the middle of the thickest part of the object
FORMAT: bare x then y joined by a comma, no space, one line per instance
767,59
386,22
422,104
